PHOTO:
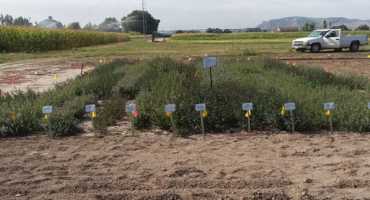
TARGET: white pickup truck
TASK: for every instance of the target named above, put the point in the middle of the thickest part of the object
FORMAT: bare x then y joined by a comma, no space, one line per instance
329,39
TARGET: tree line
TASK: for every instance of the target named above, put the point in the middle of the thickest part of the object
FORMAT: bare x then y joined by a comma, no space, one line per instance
136,21
310,26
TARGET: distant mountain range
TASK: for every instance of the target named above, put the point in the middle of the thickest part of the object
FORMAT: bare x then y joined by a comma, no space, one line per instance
300,21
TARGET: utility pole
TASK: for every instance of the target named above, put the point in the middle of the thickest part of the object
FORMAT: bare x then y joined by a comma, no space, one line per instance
143,7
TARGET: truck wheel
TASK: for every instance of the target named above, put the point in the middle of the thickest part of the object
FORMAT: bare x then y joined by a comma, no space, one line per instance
355,46
315,48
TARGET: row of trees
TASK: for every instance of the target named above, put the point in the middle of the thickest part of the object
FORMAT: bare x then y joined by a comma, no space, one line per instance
310,26
218,30
8,20
136,21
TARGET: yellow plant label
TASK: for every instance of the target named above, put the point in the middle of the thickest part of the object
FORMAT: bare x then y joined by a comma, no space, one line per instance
93,115
283,111
168,114
204,114
248,114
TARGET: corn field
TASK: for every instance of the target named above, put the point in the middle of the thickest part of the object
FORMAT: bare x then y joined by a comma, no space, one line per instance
19,39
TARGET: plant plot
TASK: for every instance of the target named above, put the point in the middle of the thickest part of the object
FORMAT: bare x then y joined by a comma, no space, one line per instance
154,83
21,113
269,84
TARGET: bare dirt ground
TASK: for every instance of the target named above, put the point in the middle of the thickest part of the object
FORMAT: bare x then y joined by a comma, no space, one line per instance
342,62
158,166
39,75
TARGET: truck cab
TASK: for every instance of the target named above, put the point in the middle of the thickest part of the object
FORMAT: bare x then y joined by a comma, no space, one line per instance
329,39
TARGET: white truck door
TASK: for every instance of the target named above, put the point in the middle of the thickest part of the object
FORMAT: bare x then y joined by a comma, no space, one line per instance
332,39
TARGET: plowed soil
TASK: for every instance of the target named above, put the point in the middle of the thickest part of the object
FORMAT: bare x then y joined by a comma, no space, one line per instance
158,166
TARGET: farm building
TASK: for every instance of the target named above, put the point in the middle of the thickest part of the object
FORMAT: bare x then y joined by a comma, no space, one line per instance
50,23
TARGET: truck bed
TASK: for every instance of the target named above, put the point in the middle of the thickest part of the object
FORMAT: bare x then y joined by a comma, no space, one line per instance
346,41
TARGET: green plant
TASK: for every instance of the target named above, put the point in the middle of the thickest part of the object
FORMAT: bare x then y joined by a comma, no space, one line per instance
64,120
109,113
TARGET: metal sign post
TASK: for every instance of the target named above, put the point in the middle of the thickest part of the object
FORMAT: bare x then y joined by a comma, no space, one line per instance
170,109
47,110
210,63
329,107
131,110
201,108
248,108
291,107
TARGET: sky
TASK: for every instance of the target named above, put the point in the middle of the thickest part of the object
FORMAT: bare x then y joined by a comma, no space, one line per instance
187,14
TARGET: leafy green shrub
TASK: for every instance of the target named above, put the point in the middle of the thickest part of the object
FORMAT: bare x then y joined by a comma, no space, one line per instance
112,110
166,81
64,120
318,76
24,118
248,52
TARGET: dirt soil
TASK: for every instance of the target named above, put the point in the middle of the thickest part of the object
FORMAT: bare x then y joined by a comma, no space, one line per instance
40,75
157,166
341,63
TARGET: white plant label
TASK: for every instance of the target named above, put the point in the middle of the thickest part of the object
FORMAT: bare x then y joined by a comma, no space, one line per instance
209,62
329,106
47,109
368,105
130,107
200,107
290,106
247,106
170,108
90,108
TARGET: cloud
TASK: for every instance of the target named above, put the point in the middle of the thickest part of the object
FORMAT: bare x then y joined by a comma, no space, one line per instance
187,14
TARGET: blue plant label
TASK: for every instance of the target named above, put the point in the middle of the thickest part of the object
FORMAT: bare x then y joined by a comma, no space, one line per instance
329,106
47,109
130,107
247,106
170,108
209,62
200,107
290,106
90,108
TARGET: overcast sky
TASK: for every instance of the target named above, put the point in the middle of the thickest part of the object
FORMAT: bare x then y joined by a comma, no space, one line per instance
187,14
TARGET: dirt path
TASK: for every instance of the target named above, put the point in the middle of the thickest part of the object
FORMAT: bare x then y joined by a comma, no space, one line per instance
152,166
39,75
